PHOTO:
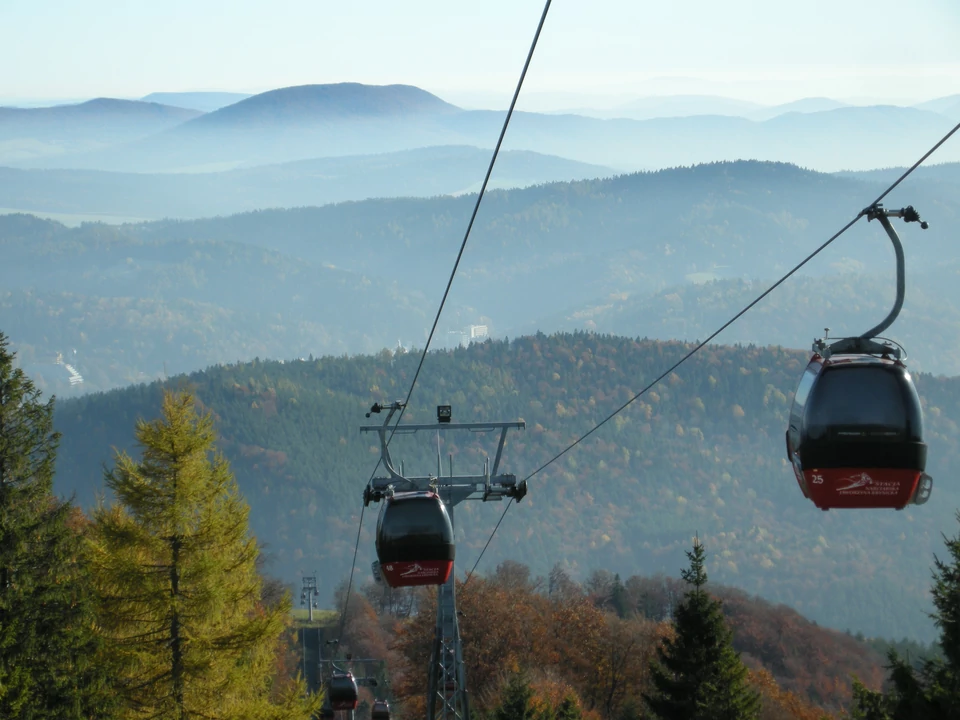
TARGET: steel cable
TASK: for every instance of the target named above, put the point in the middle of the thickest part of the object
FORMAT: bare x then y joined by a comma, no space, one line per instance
723,327
453,273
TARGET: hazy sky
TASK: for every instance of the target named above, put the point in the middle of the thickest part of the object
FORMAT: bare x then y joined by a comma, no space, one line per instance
596,51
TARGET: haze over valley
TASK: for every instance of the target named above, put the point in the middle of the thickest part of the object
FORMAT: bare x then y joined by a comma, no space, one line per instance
270,226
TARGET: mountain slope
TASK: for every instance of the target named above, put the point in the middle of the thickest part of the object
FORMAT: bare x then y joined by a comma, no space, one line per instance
31,133
425,172
201,101
622,254
564,245
928,325
945,172
804,105
131,307
703,452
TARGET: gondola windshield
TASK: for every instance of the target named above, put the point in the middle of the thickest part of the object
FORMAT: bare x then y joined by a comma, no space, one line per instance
414,522
862,401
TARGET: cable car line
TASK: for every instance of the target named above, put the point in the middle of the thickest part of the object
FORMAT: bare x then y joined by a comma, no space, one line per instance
356,548
473,215
917,164
871,208
489,539
749,306
694,351
446,292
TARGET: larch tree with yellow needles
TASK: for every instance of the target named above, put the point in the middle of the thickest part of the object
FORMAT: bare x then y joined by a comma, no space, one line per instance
175,566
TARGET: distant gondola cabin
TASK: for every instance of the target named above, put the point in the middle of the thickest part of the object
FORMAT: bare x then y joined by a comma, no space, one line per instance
380,710
342,691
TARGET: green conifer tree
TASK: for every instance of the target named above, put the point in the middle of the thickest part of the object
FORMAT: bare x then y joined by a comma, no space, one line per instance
931,692
867,704
180,594
569,708
515,700
48,646
697,674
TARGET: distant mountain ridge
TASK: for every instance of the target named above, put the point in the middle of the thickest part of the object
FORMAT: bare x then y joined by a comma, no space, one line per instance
31,133
349,119
319,103
562,255
335,120
96,110
425,172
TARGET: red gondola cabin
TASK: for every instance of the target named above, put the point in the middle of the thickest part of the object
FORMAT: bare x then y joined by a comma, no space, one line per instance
856,434
415,540
342,691
380,710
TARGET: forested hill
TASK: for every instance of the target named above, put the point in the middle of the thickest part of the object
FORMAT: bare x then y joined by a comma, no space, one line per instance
703,452
626,255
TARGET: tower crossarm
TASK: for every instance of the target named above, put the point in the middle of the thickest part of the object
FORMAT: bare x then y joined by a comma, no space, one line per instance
491,485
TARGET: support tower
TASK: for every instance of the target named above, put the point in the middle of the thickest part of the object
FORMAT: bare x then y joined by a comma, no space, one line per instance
447,697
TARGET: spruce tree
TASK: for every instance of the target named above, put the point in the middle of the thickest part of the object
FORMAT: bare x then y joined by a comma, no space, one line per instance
569,708
931,692
867,704
515,700
697,674
48,648
180,594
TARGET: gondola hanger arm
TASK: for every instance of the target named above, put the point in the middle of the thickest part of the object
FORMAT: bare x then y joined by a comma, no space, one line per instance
865,343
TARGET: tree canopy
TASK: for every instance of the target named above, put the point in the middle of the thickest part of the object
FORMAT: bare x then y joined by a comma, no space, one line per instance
175,566
49,653
697,675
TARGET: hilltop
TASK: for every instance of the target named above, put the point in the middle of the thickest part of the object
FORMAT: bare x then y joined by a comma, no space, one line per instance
307,104
701,453
32,133
95,110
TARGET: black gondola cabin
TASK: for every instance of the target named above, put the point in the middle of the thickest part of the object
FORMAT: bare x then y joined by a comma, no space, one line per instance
855,438
380,710
415,540
342,691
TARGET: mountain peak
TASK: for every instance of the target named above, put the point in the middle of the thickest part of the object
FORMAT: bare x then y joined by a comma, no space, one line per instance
310,103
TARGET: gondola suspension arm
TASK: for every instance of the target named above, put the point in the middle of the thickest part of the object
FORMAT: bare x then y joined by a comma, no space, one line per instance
865,343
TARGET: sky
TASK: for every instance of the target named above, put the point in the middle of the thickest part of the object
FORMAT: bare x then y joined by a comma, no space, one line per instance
595,53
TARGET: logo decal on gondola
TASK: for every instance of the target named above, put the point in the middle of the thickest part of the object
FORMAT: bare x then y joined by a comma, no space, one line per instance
416,570
863,484
857,481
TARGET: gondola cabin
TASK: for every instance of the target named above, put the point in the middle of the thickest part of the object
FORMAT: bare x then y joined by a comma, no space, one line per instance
415,540
380,710
342,691
855,438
